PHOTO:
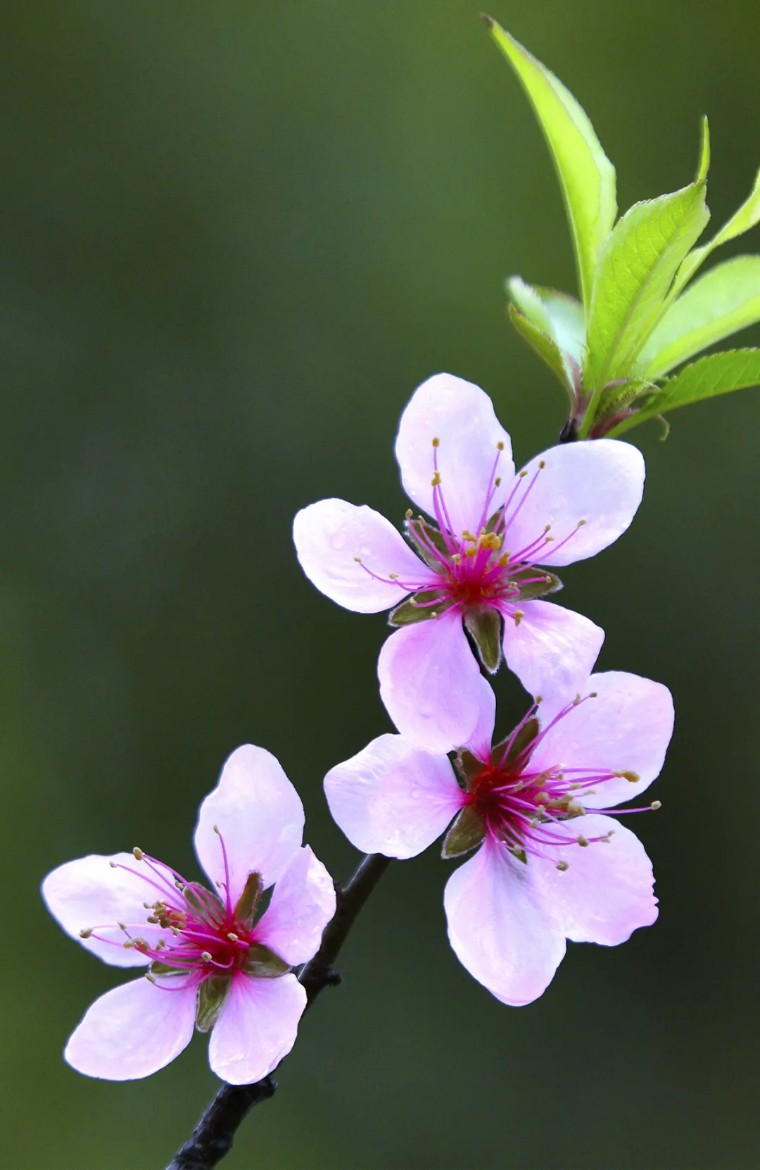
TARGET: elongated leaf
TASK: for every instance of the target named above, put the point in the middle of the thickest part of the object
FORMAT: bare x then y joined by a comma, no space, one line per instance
546,348
740,222
718,373
586,175
636,267
725,299
568,326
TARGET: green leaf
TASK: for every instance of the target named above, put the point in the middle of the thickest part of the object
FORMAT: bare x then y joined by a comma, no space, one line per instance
719,373
546,348
636,267
567,321
740,222
586,175
725,299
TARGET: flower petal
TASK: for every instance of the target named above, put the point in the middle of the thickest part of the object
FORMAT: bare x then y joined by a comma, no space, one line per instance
260,820
461,417
302,904
351,553
431,684
393,797
132,1031
606,891
92,893
256,1028
498,928
600,483
551,647
625,728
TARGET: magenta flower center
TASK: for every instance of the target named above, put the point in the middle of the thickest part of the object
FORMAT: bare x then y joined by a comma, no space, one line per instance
531,810
192,931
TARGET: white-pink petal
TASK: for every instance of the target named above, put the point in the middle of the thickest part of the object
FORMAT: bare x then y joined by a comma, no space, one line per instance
498,927
302,904
256,1028
259,818
600,482
91,893
551,648
393,797
606,891
461,417
625,728
430,683
356,557
132,1031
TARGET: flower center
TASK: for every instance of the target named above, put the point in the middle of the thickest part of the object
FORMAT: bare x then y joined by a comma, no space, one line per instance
526,808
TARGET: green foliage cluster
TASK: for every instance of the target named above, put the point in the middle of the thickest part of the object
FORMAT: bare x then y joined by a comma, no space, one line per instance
641,314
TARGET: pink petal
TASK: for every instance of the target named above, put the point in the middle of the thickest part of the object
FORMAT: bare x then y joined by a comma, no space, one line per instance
551,647
600,482
90,893
256,1028
626,728
431,684
302,904
460,415
132,1031
606,891
498,927
259,817
329,537
393,797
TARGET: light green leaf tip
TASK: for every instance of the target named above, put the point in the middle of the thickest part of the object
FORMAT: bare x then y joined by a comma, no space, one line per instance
586,175
744,218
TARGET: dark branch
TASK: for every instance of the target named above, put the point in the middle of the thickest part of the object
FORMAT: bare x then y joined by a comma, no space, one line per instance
215,1132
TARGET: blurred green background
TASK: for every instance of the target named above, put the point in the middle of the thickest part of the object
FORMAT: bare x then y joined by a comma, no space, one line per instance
236,237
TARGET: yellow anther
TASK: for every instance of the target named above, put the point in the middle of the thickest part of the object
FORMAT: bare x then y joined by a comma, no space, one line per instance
631,777
563,865
472,551
457,558
86,933
206,956
393,576
518,616
467,535
582,841
655,805
581,523
232,936
358,561
137,854
500,446
522,474
436,480
436,442
497,481
542,465
409,513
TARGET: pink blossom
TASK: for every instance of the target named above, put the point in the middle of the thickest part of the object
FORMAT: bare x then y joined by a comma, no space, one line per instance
213,960
474,569
551,863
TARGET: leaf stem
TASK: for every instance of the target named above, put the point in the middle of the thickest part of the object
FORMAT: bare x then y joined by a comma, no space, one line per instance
215,1132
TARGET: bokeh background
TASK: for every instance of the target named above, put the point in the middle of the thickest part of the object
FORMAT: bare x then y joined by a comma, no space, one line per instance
236,237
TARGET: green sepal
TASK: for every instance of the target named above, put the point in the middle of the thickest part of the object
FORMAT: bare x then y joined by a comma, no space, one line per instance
467,832
157,968
263,963
468,767
484,627
211,996
422,536
415,608
506,753
518,854
248,902
549,583
197,897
